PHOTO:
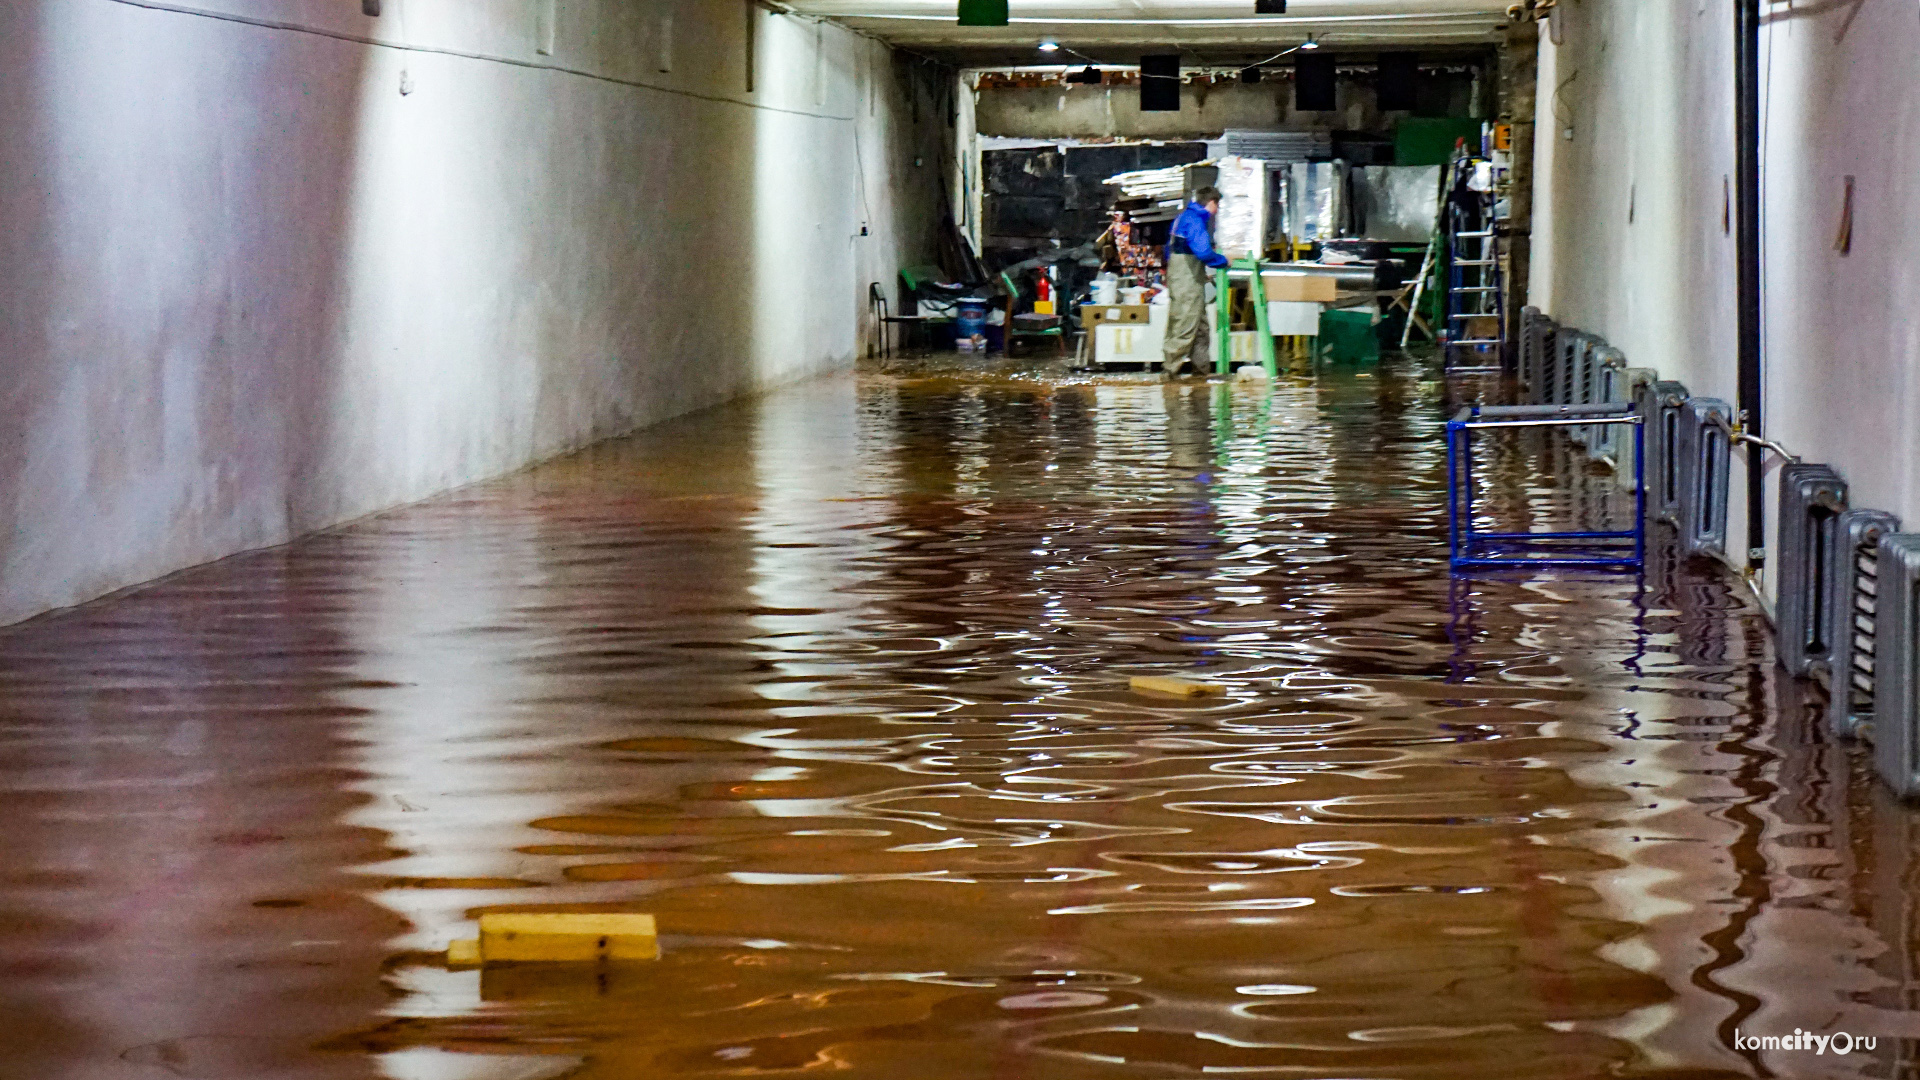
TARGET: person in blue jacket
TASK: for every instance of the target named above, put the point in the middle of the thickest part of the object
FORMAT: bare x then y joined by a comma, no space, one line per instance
1189,254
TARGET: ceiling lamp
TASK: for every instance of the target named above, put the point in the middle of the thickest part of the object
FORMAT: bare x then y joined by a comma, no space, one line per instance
1049,46
1310,44
983,12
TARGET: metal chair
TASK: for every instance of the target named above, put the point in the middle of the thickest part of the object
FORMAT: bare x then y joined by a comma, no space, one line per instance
1038,325
884,321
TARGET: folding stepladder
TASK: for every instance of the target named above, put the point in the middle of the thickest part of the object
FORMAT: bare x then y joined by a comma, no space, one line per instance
1475,289
1223,337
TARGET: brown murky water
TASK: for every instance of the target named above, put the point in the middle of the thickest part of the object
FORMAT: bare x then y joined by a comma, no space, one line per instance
835,684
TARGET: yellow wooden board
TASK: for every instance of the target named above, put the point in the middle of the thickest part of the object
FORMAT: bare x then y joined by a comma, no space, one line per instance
464,953
567,937
1166,684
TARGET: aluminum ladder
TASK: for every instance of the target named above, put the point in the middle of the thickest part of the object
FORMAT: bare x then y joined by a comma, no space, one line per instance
1475,289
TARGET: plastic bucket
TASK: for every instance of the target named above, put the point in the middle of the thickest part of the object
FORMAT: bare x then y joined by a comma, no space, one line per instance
972,319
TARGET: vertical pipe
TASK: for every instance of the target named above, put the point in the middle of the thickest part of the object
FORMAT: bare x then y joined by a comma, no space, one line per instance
1747,121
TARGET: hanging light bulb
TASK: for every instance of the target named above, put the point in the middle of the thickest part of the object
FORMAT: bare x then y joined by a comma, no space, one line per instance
1310,44
1049,46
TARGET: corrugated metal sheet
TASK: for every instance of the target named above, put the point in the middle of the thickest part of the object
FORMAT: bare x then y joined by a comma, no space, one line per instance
1281,146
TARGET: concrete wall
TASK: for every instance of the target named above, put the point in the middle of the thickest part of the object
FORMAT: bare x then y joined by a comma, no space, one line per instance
269,265
1631,218
1085,112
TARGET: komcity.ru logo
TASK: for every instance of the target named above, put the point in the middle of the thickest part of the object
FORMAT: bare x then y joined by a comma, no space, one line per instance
1839,1042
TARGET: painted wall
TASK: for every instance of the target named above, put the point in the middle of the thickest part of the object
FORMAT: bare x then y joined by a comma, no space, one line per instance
1635,157
269,265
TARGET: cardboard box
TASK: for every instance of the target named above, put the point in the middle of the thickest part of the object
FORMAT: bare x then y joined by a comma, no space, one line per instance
1300,288
1293,318
1092,314
1132,343
1479,328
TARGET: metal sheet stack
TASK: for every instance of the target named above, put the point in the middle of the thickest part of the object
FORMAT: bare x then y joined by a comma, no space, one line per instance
1161,189
1240,229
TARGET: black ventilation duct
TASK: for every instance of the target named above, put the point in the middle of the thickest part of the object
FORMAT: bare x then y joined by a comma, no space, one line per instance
1313,82
1395,83
1269,7
1160,83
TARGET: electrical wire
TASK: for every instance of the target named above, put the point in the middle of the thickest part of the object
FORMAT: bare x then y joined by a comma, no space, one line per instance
1234,67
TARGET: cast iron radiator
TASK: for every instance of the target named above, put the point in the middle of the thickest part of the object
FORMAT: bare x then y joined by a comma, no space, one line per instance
1705,464
1536,341
1894,728
1663,406
1812,498
1853,603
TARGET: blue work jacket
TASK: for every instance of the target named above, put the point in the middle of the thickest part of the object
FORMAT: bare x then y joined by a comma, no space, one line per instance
1193,235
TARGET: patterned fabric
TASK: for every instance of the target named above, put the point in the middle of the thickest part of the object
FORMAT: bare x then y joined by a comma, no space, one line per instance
1141,261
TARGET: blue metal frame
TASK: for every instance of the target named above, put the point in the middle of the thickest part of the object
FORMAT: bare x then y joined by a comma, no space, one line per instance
1472,549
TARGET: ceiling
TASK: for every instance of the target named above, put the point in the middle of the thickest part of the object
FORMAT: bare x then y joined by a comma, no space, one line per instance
1117,31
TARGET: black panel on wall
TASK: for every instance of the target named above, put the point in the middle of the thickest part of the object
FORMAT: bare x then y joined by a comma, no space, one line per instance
1313,79
1167,155
1160,83
1018,215
1396,83
1100,162
1034,173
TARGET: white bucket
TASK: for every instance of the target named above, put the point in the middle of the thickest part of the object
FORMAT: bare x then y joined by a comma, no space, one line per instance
1106,289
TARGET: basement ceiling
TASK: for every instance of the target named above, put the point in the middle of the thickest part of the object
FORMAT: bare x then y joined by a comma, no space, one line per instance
1117,31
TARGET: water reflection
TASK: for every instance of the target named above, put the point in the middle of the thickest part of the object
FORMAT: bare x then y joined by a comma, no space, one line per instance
835,684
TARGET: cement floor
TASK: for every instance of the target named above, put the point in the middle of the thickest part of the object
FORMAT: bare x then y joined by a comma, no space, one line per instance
835,684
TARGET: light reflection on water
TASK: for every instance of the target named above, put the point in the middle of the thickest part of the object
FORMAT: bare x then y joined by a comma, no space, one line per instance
834,684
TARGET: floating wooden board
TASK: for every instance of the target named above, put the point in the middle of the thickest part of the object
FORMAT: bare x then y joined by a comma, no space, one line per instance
558,937
1166,684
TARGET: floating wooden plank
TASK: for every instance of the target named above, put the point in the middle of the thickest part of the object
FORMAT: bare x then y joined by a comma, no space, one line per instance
464,953
570,937
1167,684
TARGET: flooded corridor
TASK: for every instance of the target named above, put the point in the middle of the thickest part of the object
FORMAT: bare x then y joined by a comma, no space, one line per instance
835,684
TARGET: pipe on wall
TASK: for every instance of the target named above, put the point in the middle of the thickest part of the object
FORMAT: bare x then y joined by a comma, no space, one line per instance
1747,172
